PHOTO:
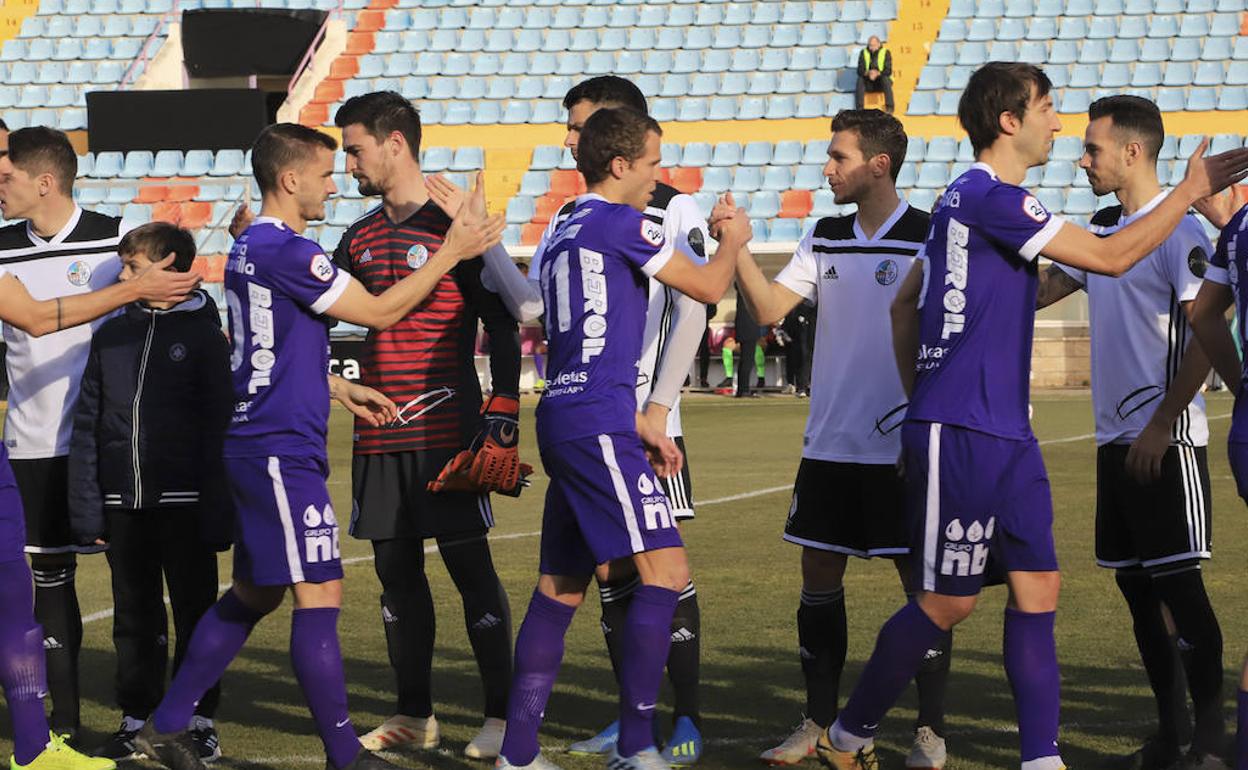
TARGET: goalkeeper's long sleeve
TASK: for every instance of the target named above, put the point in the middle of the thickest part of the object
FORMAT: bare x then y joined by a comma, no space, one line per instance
518,293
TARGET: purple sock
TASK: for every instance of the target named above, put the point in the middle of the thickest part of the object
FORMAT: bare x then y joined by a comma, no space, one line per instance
1241,736
1031,667
539,651
899,649
22,667
217,638
317,660
647,639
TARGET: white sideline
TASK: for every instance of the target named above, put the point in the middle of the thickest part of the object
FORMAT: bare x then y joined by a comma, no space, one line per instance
108,613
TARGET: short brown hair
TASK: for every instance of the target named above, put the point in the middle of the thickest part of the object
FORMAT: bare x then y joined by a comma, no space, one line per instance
283,145
995,88
380,113
878,134
1133,115
155,240
618,132
42,150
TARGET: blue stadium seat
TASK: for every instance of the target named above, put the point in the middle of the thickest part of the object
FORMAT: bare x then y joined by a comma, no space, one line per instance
1051,198
1171,99
1079,200
780,107
516,111
942,149
696,155
787,153
1067,149
972,54
1059,75
1003,50
747,178
1177,74
942,53
931,78
1163,26
716,179
167,163
1185,49
1202,98
932,175
922,103
34,26
756,153
1093,52
824,203
663,110
547,111
947,103
962,9
726,154
1196,26
981,30
1124,50
966,152
1075,100
795,13
1072,28
722,108
1236,75
785,230
1011,29
1210,73
808,177
520,209
1155,50
1216,49
764,204
1058,174
1225,25
1233,99
1084,76
691,110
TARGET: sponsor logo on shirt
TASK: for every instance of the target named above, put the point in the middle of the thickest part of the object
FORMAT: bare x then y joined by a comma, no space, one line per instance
79,273
651,232
417,256
886,272
966,550
956,267
177,352
322,269
263,359
1197,262
830,273
320,535
594,288
1034,209
654,505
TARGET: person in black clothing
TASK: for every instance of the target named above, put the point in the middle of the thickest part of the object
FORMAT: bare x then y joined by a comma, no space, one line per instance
875,73
747,333
704,349
146,477
799,326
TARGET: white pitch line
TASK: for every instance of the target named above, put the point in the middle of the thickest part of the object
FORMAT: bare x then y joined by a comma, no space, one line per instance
1086,436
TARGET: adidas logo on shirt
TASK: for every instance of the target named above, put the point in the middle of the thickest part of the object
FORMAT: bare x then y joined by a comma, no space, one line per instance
387,616
367,256
488,621
50,643
830,273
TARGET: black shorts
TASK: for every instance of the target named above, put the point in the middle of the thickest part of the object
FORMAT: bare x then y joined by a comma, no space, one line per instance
680,489
44,484
390,498
1155,524
849,508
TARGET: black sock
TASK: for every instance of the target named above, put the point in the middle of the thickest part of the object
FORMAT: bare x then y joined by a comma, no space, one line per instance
408,617
684,658
487,615
56,609
823,638
1197,628
931,681
1159,654
616,595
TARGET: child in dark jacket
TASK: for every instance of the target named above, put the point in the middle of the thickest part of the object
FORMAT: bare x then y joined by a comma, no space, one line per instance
146,476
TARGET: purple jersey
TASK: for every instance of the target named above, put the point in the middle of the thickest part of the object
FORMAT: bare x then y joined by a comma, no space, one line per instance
277,285
979,304
594,278
1228,267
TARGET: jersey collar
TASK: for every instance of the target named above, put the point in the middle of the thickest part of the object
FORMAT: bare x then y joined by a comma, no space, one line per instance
270,221
982,166
1147,207
590,197
885,227
64,232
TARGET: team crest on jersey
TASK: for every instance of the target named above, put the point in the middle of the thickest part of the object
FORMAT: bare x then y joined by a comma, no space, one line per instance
1034,209
417,256
177,352
697,242
1197,262
322,269
79,273
652,232
886,272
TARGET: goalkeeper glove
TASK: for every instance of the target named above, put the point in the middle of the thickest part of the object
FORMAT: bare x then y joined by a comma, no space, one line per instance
492,462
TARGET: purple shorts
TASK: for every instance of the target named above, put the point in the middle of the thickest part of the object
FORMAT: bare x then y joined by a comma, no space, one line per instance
12,516
604,503
969,495
285,531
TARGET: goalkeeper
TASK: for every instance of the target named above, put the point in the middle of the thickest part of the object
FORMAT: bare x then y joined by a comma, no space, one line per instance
425,364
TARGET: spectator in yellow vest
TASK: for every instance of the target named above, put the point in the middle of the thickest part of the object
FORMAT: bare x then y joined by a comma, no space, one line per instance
875,73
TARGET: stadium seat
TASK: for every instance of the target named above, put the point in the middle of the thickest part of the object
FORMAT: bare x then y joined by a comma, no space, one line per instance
932,175
943,149
1201,99
1058,174
823,203
716,179
696,154
922,103
777,178
756,154
687,180
726,154
1210,73
1185,49
785,230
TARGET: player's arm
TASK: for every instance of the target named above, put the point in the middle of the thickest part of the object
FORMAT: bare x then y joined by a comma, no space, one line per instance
522,298
469,235
768,301
1055,285
86,502
364,402
40,317
1115,254
1208,316
707,282
688,315
499,324
905,317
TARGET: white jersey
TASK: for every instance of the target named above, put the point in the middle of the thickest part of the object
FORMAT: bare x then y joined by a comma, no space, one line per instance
856,400
44,372
1140,331
686,228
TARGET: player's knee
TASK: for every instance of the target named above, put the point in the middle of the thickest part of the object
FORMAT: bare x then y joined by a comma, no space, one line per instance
666,568
314,595
1034,591
261,599
565,589
822,570
946,611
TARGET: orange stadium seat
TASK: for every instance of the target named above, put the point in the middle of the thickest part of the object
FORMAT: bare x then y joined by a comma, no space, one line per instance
796,204
182,192
566,183
548,205
665,176
328,91
344,67
195,214
152,193
360,42
383,4
531,233
370,20
211,267
687,180
166,211
314,114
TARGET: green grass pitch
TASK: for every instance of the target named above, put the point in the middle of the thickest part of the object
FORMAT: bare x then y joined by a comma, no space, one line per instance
748,585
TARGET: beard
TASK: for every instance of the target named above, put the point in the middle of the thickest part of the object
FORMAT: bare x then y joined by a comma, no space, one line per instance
368,188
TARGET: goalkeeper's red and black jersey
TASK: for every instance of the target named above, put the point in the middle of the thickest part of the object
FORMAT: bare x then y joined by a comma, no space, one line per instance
424,363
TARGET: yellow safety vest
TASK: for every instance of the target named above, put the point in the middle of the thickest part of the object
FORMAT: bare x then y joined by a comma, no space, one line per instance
879,58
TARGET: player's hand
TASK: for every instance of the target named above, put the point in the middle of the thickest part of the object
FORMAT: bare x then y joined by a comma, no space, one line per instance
1207,176
1220,207
656,415
661,451
492,462
243,218
725,208
446,194
1146,452
156,284
473,231
371,406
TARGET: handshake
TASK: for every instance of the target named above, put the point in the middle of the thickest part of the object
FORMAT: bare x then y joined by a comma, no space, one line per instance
729,221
